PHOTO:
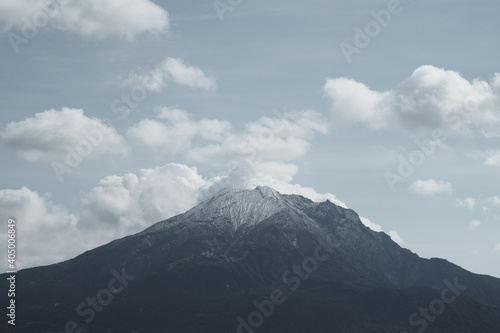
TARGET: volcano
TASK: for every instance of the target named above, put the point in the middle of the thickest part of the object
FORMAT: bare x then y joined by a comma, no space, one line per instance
256,261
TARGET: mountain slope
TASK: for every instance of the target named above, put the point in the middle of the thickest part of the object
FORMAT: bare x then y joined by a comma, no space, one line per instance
204,270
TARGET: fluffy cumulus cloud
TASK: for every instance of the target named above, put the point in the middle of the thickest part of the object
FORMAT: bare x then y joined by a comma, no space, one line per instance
45,231
171,70
282,139
117,206
136,200
430,187
262,154
54,136
91,18
173,130
430,98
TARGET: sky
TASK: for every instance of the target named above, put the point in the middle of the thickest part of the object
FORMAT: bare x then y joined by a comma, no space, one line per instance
115,115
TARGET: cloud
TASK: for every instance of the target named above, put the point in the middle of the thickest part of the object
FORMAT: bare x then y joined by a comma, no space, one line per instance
280,139
91,18
134,201
430,98
493,158
46,232
171,70
474,224
430,187
397,238
376,227
51,135
120,205
173,131
468,203
279,176
370,224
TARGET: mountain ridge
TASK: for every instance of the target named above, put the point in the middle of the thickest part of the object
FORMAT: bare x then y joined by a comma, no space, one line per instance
232,248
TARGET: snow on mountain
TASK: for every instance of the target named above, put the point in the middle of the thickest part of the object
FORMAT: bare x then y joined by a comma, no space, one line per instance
238,207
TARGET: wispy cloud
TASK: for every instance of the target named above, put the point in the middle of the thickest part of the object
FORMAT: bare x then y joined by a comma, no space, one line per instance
430,187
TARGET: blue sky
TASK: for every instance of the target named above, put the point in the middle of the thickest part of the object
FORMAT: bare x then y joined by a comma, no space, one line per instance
115,116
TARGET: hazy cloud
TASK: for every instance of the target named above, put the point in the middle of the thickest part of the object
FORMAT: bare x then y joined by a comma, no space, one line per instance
468,203
430,187
474,224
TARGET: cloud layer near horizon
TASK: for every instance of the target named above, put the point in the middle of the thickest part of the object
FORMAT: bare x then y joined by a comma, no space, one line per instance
117,206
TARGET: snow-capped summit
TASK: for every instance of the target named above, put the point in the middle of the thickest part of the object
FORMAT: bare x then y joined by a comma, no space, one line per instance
204,268
240,207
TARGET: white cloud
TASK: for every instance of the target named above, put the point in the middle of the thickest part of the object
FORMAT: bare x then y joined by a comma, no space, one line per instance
430,98
171,70
430,187
355,102
46,232
474,224
397,238
468,203
174,130
120,205
136,200
90,18
185,75
51,135
279,176
493,158
282,139
370,224
376,227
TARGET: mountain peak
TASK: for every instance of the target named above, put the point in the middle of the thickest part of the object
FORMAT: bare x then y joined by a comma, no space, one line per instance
240,206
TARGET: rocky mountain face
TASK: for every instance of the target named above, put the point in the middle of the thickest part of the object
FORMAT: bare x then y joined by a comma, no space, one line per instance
256,261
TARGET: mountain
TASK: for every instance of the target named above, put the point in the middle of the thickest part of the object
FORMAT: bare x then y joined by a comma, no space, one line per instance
256,261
